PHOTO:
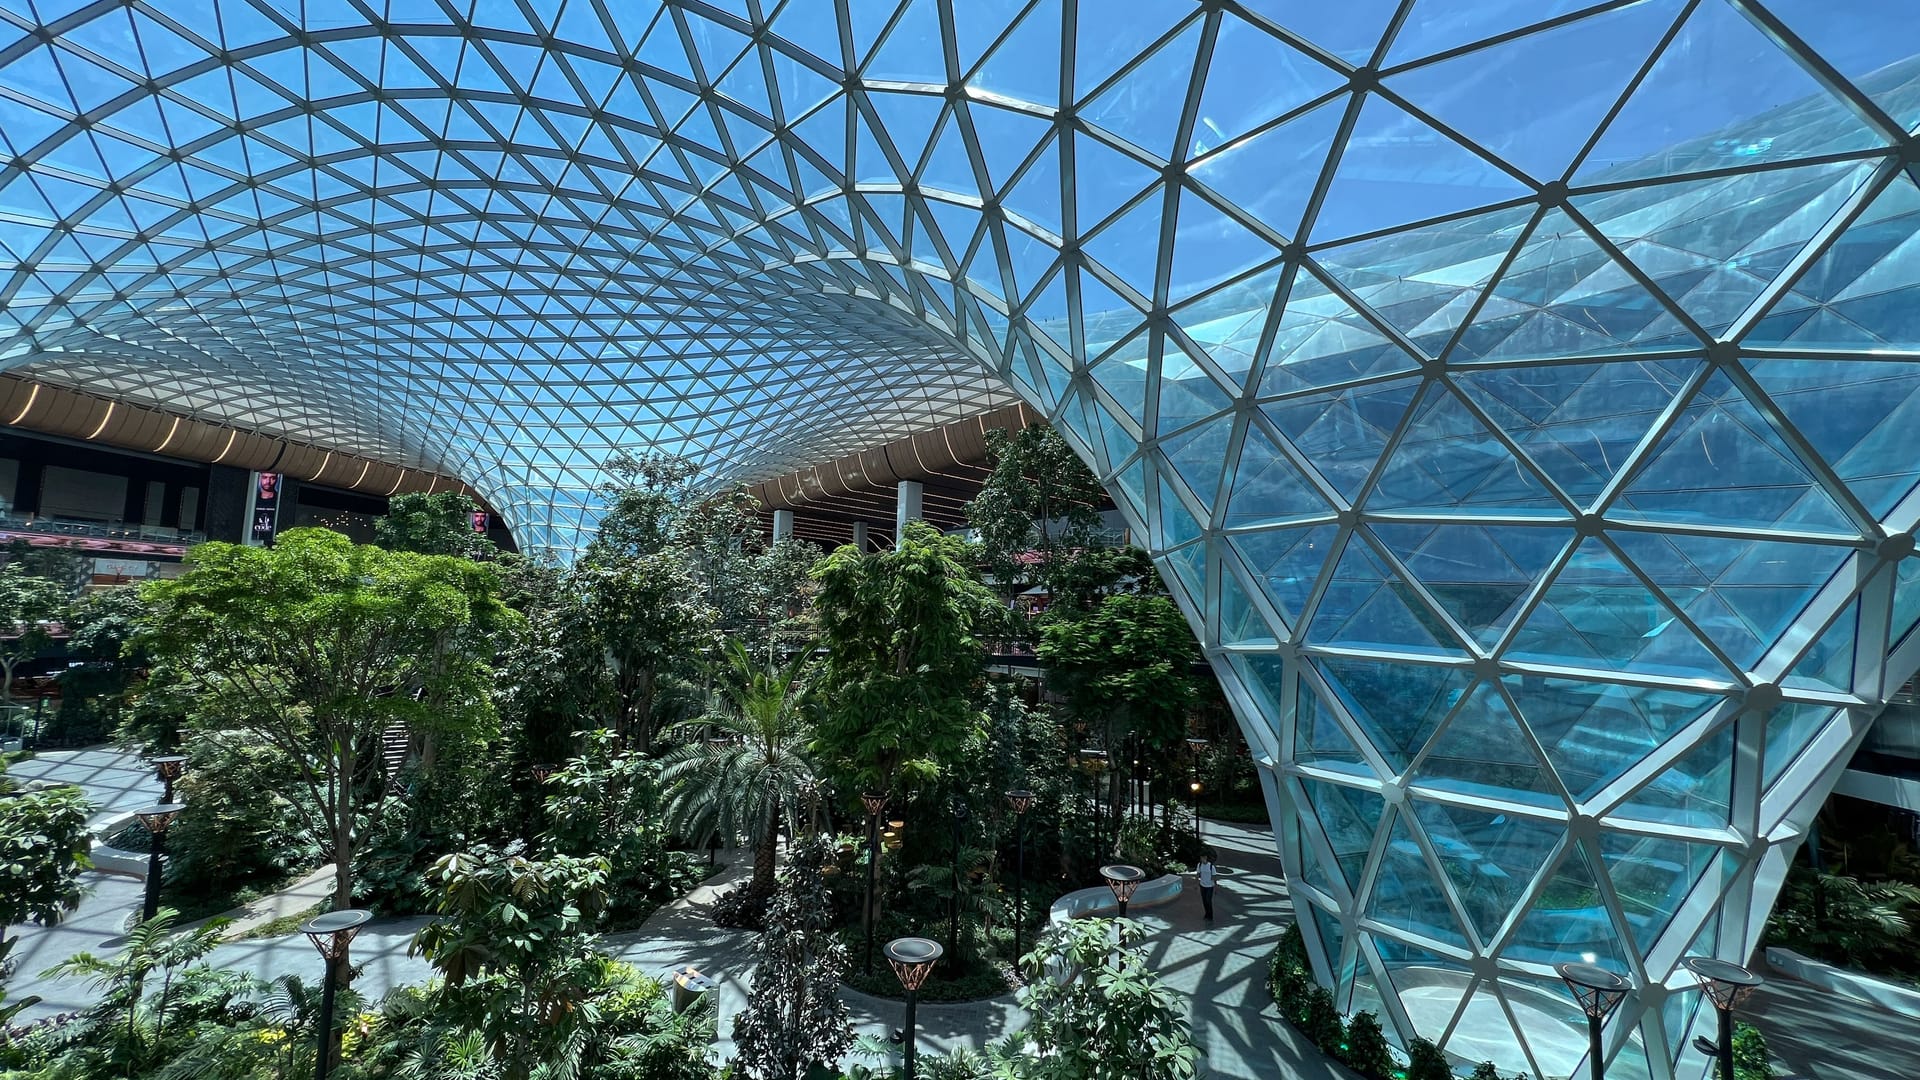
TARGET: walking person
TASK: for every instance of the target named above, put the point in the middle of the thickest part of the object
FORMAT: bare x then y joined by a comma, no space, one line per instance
1206,876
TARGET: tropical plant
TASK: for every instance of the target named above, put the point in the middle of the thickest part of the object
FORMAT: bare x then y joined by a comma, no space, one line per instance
43,849
644,614
241,828
136,1025
1751,1058
1109,1018
903,632
1365,1048
752,770
795,1020
1038,508
1844,920
27,604
1426,1061
607,802
513,944
317,645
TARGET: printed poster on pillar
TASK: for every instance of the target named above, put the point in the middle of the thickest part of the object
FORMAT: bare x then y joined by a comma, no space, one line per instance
266,505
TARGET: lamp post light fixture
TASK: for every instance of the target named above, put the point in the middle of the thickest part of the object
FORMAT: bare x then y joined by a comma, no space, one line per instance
331,934
1123,879
168,769
1726,985
912,959
960,816
541,773
1021,800
875,802
1599,992
157,819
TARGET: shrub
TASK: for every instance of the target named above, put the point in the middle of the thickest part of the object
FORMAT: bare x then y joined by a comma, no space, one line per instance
1323,1026
1751,1059
1366,1051
238,831
1426,1062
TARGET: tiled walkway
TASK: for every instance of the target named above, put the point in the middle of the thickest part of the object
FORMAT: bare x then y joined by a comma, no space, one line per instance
1220,968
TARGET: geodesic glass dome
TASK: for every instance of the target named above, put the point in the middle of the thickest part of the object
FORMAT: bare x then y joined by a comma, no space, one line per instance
1517,394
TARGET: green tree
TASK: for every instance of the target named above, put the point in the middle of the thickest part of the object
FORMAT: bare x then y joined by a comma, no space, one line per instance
1130,661
1039,508
795,1021
317,645
436,524
43,849
27,604
752,771
607,801
513,942
904,634
657,506
1111,1018
645,615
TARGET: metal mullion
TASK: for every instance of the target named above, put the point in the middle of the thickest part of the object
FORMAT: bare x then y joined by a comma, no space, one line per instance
1351,727
1463,638
1338,652
1633,87
1727,532
1669,751
1810,253
1527,30
1822,72
1303,465
1555,816
1827,605
1514,449
1810,458
1598,677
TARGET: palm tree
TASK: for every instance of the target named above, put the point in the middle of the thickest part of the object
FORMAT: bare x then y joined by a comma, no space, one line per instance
752,771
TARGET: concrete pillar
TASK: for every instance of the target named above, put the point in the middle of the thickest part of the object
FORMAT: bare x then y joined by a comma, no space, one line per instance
860,537
906,507
782,525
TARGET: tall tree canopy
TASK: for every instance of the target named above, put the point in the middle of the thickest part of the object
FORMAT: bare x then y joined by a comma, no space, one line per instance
1039,507
27,603
318,644
436,524
1128,663
904,633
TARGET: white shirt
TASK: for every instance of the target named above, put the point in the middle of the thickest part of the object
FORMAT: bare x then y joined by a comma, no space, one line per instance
1206,875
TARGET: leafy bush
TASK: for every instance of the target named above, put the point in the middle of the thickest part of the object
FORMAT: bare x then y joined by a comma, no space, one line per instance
239,832
1426,1062
1114,1021
1367,1052
608,802
1359,1042
1751,1059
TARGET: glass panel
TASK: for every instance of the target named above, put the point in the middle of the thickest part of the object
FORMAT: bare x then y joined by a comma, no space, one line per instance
1594,732
1399,705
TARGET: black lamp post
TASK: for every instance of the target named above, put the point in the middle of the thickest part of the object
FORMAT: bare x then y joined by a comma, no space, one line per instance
1599,992
1021,800
960,816
874,802
912,959
168,769
1727,985
156,818
331,934
1123,879
1194,747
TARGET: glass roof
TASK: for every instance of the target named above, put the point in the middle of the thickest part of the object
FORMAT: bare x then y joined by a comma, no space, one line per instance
1517,394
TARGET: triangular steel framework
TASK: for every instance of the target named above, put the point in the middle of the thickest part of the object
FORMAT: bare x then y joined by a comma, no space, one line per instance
1516,397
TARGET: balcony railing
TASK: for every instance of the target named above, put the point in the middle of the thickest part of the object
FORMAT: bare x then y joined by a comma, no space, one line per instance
99,530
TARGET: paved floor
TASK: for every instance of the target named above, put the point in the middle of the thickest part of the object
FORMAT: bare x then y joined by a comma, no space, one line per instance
116,781
1219,968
